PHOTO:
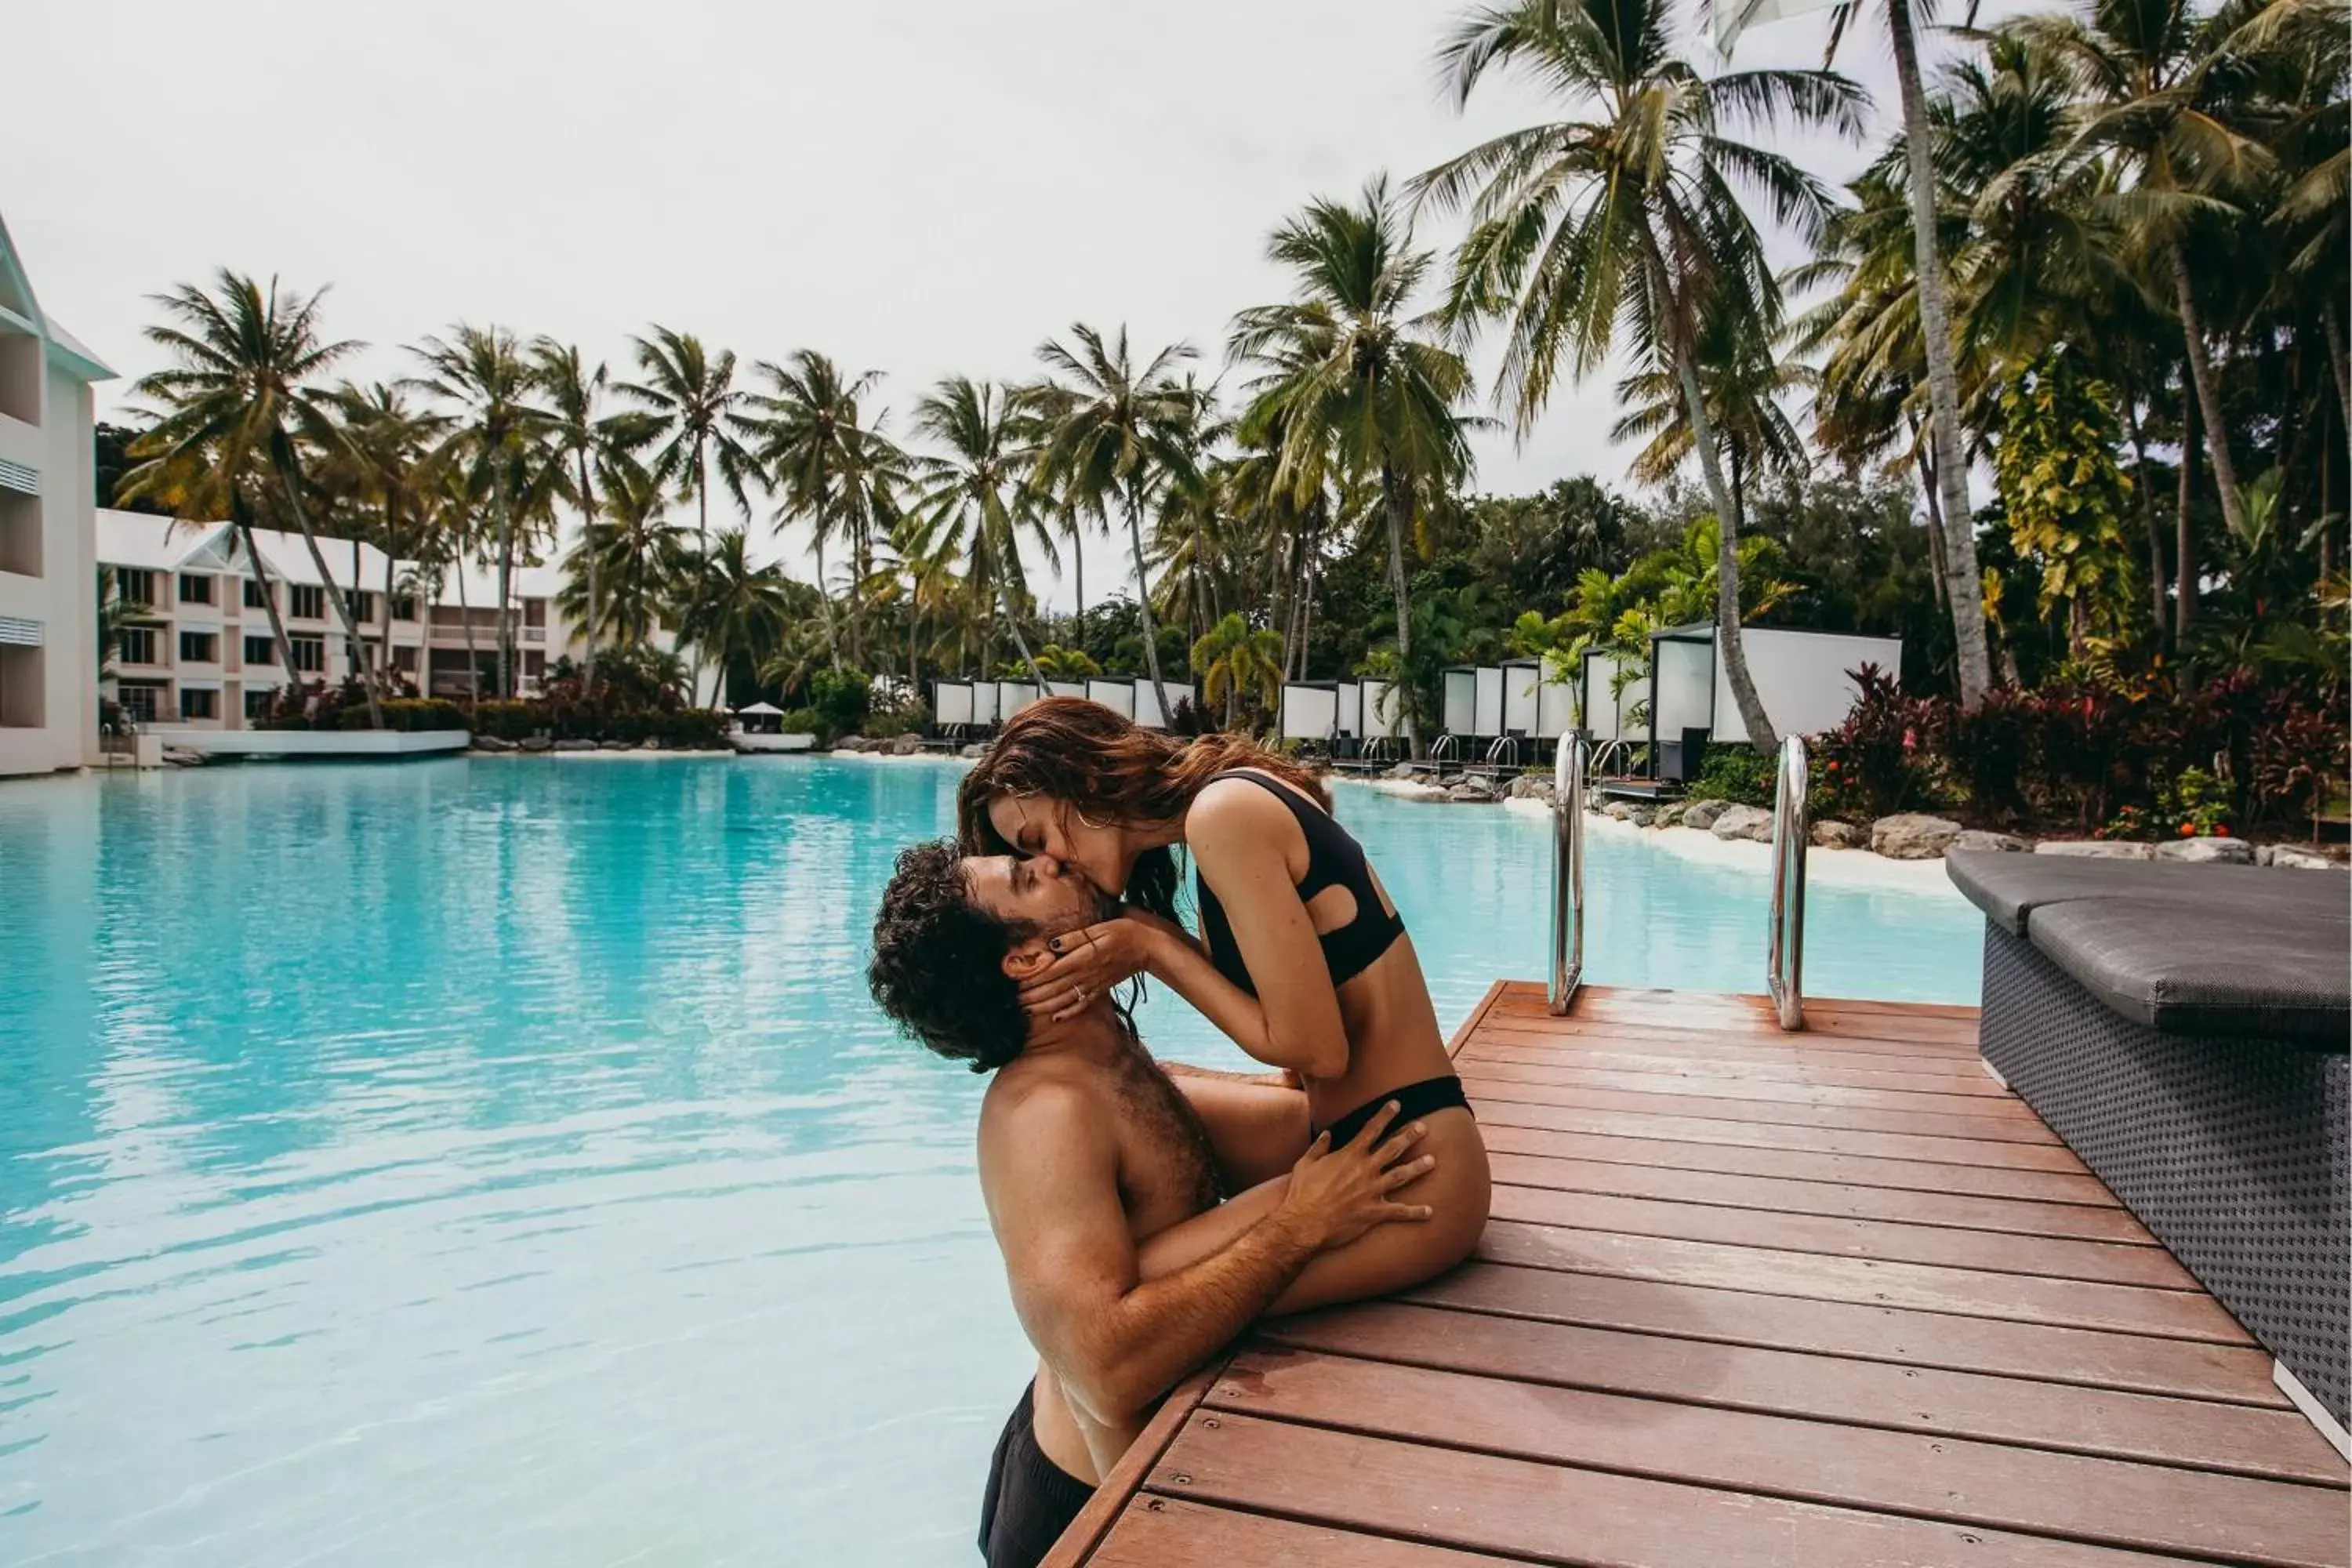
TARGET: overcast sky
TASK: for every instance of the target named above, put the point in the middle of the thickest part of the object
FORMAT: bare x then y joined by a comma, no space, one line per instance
920,186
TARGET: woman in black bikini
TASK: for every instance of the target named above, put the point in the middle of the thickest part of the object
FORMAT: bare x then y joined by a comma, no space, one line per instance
1303,962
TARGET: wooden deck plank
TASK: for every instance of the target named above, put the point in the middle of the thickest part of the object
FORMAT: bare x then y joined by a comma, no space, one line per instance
1773,1195
1615,1143
1722,1080
2146,1507
1645,1056
1746,1297
1553,1514
2044,1256
2196,1434
2048,1353
1694,1101
1967,1292
1978,1152
1169,1532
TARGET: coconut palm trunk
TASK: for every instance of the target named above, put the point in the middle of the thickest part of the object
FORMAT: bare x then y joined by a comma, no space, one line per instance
825,607
384,611
1143,605
2184,560
1964,593
2208,392
1727,645
342,605
588,544
473,656
1395,505
2146,511
268,597
506,579
2331,323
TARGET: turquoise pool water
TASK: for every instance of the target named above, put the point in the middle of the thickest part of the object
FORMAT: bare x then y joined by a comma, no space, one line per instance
499,1162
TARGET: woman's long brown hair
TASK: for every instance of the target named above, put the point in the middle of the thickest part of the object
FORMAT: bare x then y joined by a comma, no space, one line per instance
1111,769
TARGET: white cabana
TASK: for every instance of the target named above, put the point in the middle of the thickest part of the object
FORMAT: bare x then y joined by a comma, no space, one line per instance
1457,709
951,701
1522,680
1012,695
983,702
1348,707
1065,688
1147,701
1612,712
1310,711
1486,700
1383,713
1118,696
1555,709
761,709
1804,679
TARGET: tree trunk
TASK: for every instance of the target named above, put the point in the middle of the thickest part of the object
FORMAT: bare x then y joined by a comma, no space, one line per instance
2147,511
824,607
2184,558
268,598
1078,568
1395,503
465,615
356,655
1729,648
506,578
342,605
2208,396
2331,322
1143,608
1004,606
588,544
1936,572
383,620
1965,591
861,566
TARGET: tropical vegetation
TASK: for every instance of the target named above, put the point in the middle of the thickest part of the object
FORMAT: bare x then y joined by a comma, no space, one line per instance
2056,389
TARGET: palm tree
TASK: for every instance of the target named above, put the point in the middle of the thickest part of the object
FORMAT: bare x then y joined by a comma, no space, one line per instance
1951,460
1119,434
389,446
970,498
1743,383
698,412
187,481
2156,99
586,444
836,472
636,553
1230,658
1346,377
1628,224
238,403
499,441
733,610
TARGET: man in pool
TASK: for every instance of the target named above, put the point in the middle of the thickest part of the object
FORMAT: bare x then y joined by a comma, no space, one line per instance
1088,1148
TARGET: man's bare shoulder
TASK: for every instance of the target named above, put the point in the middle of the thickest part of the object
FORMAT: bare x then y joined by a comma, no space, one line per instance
1041,1099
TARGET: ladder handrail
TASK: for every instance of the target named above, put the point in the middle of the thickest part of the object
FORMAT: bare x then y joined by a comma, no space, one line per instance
1567,874
1784,953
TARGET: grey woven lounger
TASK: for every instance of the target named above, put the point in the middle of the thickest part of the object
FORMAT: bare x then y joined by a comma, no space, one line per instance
2184,1029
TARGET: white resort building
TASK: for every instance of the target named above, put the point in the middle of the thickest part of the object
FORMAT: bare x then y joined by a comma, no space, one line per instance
48,580
196,648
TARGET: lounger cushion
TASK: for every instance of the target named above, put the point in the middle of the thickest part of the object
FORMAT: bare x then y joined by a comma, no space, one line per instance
2010,887
2198,950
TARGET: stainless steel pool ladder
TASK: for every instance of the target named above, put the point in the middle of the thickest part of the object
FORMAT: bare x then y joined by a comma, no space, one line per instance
1784,955
1567,874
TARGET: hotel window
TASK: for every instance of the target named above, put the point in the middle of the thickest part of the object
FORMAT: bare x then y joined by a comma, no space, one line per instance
136,587
310,653
403,607
257,593
256,701
199,647
260,650
195,589
199,704
361,603
138,645
309,602
403,658
138,700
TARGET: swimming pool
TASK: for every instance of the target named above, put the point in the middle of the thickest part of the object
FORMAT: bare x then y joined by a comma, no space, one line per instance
498,1162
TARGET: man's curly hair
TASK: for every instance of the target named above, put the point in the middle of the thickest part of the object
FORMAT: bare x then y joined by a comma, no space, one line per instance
937,968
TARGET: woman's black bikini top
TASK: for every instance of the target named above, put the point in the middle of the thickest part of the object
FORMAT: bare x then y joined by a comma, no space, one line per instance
1334,859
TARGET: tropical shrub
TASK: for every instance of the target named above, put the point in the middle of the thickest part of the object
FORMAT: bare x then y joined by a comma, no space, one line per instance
417,713
509,721
804,721
843,697
1736,773
1874,764
907,715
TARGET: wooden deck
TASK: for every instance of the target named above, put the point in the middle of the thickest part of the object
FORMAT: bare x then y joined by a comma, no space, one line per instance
1826,1300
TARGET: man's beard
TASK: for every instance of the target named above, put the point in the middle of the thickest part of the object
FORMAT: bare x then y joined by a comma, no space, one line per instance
1099,908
